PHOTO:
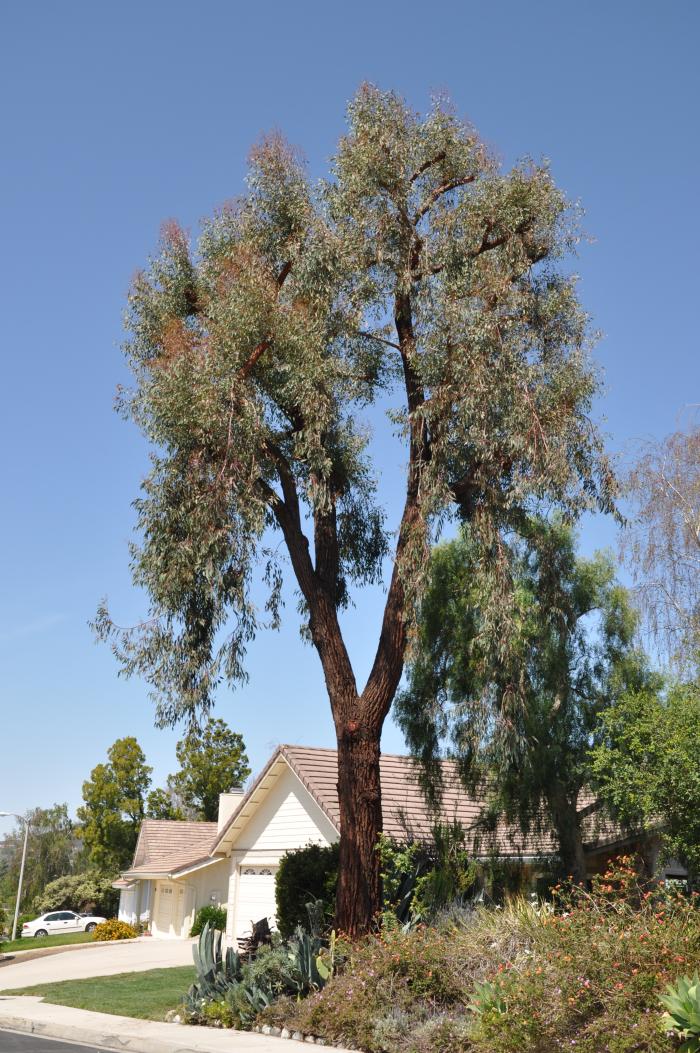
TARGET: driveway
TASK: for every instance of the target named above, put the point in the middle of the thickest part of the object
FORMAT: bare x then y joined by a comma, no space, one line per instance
97,959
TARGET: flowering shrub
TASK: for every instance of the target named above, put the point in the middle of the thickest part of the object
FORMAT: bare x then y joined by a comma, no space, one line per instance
114,930
585,976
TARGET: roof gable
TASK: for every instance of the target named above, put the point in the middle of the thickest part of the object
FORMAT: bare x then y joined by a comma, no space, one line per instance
166,845
404,810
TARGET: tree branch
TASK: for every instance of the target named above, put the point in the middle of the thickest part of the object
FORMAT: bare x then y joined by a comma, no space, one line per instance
428,164
387,668
438,193
264,344
323,616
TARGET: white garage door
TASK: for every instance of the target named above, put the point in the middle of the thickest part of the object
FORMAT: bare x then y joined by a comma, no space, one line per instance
256,898
170,910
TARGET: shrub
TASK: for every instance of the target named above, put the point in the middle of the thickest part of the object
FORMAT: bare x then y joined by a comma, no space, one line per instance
114,930
584,974
421,878
215,916
304,875
81,892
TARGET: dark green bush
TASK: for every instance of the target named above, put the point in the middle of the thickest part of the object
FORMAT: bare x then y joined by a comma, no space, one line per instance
305,875
216,916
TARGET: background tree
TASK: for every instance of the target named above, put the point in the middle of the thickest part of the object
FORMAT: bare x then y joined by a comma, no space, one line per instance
114,807
212,761
84,891
53,849
662,543
165,804
418,273
573,631
646,765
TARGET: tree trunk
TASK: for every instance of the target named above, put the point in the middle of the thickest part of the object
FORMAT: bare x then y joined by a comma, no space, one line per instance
360,801
568,830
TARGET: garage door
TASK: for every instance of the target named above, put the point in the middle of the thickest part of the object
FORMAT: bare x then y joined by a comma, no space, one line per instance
170,910
256,898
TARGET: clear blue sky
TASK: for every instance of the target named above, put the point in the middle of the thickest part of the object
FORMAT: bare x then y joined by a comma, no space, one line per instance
116,116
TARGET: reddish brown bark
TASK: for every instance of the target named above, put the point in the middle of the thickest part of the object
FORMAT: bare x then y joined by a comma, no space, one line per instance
360,800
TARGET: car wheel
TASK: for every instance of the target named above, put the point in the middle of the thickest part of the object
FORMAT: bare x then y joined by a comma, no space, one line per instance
41,932
91,927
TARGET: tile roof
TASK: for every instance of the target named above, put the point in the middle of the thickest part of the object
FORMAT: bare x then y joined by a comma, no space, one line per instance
403,805
167,845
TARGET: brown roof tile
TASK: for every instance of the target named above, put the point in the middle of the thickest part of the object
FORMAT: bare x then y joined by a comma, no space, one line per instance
403,805
166,845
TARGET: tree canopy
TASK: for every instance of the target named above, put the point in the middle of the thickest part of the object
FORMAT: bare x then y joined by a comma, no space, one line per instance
115,805
52,850
662,543
212,761
573,653
419,274
646,766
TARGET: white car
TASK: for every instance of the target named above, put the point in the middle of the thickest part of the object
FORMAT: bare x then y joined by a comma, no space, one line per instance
57,921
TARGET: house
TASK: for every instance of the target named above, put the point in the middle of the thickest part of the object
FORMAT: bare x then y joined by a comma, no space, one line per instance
179,867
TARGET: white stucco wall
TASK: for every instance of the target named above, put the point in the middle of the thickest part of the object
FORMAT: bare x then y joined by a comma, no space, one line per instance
287,818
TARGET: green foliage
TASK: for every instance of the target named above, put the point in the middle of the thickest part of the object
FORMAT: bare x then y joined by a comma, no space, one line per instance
420,878
215,917
304,875
282,306
520,979
309,969
231,993
569,630
487,998
682,1016
164,804
646,766
113,929
80,892
215,971
212,761
115,807
53,849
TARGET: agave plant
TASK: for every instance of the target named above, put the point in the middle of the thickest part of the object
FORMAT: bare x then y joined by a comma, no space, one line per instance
216,972
487,998
682,1016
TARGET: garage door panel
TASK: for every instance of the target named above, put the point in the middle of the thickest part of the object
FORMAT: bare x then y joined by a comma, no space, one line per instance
256,898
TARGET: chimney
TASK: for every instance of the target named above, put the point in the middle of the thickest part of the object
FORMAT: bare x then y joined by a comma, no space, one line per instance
228,803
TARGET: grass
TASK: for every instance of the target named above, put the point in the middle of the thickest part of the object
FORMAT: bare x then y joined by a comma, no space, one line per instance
32,943
147,995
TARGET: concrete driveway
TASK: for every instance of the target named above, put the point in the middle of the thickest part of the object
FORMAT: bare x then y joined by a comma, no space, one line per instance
97,959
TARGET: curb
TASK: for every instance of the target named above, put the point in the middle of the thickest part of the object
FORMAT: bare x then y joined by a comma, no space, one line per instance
127,1034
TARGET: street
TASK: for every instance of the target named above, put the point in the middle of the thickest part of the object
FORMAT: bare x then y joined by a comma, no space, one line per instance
12,1042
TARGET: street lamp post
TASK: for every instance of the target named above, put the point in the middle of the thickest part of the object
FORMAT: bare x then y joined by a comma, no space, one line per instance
21,869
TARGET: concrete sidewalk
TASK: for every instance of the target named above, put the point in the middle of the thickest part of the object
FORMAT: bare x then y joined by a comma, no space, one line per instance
32,1016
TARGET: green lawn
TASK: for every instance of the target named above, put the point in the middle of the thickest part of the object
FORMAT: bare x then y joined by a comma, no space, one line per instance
146,995
33,943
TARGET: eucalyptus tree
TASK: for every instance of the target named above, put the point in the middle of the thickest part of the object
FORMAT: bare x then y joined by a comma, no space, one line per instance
417,273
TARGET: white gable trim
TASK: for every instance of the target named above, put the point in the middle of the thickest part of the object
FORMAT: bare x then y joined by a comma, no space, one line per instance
229,839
